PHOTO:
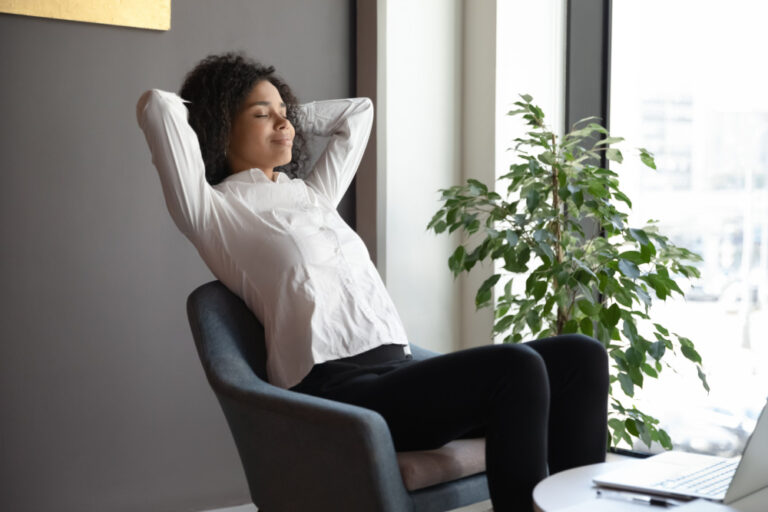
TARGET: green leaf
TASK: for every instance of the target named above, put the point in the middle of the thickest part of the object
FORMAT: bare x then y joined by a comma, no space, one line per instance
630,330
648,251
490,282
615,424
631,427
629,269
614,155
485,292
587,307
586,326
634,357
482,298
477,187
511,237
545,252
532,200
541,235
622,297
533,320
639,235
456,261
597,128
659,285
538,290
622,197
660,328
450,216
703,378
643,296
597,189
648,369
570,327
635,257
664,439
504,324
626,384
645,435
548,305
578,198
523,256
690,353
435,218
610,316
647,158
609,140
657,349
586,293
547,157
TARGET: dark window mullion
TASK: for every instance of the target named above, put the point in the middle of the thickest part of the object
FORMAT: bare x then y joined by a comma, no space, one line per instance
588,79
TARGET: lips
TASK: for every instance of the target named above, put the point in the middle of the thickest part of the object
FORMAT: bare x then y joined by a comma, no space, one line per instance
283,141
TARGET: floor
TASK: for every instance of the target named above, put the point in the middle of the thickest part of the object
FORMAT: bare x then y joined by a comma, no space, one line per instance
483,506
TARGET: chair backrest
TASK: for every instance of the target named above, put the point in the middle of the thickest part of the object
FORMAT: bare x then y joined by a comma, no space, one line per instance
229,338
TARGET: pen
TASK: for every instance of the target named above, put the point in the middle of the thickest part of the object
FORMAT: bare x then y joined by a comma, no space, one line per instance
635,498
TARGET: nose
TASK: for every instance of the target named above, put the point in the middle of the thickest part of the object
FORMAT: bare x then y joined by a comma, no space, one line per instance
282,122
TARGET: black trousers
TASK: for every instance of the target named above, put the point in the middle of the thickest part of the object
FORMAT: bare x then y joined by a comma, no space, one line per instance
541,405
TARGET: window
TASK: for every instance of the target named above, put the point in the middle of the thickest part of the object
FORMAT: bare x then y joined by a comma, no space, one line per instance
688,84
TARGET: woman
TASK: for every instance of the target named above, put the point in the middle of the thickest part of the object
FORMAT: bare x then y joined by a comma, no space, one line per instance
331,327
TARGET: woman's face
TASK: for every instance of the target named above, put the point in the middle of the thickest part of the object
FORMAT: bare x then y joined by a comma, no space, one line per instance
261,136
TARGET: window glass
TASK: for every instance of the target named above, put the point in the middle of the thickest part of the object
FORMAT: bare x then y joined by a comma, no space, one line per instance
688,82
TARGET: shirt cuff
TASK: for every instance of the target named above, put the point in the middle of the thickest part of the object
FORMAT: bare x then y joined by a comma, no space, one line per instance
306,117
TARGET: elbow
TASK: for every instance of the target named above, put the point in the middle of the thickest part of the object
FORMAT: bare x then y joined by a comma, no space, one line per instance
366,104
141,106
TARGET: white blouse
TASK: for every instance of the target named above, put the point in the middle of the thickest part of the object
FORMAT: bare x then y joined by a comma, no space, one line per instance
281,246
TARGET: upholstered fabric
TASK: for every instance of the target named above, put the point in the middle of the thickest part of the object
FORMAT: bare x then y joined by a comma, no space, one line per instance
457,459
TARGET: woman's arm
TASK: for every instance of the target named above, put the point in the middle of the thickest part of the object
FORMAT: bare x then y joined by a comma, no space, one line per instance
348,123
176,155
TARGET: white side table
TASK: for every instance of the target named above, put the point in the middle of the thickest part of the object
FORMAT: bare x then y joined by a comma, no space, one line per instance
575,486
573,490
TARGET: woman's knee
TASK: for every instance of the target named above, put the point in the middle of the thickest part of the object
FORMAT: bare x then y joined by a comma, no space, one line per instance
589,348
518,363
591,357
579,348
575,354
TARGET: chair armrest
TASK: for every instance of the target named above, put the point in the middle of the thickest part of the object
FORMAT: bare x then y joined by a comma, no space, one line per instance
340,453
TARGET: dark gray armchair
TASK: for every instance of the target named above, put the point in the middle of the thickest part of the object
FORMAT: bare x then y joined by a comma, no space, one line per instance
302,453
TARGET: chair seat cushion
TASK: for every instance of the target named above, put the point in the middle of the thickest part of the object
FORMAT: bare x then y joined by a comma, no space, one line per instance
457,459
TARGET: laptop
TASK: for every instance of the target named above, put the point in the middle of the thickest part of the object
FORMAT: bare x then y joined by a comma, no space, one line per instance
684,475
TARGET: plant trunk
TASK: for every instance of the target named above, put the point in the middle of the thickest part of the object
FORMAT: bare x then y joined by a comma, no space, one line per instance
562,314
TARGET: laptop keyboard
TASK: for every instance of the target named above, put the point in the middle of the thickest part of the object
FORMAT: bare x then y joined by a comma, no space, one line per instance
710,481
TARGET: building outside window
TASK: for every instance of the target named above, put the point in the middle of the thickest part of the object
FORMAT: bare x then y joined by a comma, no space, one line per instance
687,83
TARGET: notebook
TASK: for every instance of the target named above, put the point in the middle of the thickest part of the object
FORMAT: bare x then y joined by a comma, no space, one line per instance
689,475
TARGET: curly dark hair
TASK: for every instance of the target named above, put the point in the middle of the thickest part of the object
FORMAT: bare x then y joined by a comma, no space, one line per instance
216,89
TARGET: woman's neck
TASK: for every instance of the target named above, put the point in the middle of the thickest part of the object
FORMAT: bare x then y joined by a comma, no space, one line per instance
271,174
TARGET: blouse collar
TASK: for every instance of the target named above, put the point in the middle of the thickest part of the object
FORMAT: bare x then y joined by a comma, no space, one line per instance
255,175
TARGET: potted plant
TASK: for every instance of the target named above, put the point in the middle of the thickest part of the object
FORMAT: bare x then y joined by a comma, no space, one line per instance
562,226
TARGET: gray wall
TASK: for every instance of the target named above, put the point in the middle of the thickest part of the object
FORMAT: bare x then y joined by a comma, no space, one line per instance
104,405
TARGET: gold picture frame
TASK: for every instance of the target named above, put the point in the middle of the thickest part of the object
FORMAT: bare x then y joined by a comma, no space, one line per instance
151,14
